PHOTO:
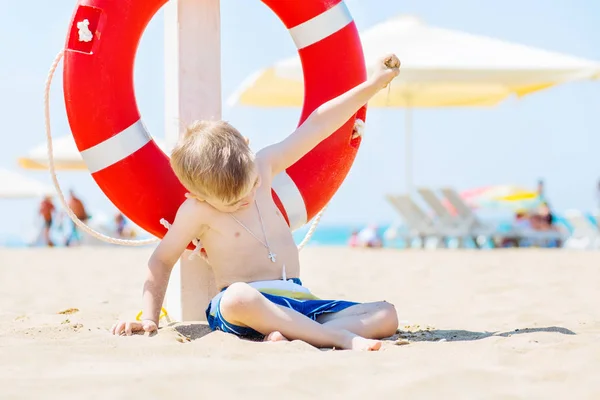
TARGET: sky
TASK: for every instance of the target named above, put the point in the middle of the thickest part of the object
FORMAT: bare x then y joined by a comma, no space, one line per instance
552,134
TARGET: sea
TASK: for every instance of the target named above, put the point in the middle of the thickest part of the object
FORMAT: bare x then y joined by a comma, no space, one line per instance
324,235
332,235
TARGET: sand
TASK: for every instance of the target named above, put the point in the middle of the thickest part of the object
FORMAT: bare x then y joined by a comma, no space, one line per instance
522,324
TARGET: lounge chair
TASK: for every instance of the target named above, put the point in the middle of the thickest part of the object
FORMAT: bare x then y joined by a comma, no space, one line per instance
418,222
479,230
584,234
454,225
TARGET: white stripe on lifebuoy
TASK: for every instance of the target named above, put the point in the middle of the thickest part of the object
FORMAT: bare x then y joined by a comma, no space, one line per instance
321,26
291,199
116,148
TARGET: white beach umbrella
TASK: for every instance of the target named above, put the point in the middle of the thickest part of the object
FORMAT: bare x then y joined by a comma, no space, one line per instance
16,186
440,68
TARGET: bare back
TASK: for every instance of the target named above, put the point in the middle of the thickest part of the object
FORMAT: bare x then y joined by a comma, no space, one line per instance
236,255
78,208
46,209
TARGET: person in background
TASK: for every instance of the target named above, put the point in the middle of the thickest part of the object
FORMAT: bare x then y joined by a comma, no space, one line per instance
76,205
543,219
120,224
541,190
122,228
521,223
47,212
522,219
546,214
354,241
369,237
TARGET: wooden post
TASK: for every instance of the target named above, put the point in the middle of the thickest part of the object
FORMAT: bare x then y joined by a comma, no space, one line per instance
192,92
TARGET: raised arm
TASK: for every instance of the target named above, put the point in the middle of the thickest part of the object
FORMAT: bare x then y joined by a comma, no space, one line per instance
328,118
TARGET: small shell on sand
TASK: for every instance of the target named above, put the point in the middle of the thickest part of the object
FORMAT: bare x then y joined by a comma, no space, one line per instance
69,311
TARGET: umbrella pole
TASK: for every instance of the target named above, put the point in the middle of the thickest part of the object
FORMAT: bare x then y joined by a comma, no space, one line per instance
408,150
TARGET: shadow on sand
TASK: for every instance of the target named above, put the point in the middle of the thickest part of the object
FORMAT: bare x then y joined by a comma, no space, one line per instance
195,331
434,335
192,331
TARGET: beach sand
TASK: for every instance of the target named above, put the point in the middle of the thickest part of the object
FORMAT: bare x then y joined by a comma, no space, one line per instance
516,324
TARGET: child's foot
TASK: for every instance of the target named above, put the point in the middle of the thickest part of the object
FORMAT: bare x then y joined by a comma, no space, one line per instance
362,344
276,337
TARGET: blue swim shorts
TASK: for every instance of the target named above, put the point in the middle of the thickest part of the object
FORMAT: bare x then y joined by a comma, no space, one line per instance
290,294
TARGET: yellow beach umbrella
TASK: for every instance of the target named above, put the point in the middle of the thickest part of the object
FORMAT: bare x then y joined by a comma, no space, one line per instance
440,68
523,196
66,155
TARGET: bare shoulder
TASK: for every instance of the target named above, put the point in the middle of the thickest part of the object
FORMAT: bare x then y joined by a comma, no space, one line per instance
191,219
262,159
194,213
263,163
191,207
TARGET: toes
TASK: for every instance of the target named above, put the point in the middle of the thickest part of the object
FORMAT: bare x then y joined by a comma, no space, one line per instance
275,337
375,346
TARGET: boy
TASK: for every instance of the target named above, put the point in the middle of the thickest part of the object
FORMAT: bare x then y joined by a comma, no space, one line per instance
247,241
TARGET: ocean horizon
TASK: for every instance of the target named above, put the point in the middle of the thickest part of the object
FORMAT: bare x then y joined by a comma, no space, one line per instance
324,235
329,234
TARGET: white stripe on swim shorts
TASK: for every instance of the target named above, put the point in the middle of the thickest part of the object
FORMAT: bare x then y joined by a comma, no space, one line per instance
291,198
116,148
323,25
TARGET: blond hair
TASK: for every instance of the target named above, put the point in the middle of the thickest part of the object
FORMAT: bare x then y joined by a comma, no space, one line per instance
213,160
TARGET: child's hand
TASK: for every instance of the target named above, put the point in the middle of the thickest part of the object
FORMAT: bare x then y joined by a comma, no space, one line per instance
128,328
387,70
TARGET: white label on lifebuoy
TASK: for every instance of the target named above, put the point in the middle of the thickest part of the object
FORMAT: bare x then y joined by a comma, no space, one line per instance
291,198
359,128
83,30
322,26
116,148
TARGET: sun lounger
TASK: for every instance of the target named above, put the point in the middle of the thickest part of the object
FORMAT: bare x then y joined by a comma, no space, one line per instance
476,227
454,225
584,234
419,224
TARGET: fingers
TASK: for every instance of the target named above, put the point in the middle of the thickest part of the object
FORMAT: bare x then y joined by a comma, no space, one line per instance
118,328
390,69
392,61
128,328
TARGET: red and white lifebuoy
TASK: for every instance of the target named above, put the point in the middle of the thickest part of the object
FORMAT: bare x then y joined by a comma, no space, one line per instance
120,153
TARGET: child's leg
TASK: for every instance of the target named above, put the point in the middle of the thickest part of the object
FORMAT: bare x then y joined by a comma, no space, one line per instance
243,305
370,320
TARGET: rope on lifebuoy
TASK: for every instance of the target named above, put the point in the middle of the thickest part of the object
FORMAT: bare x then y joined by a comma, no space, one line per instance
61,196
